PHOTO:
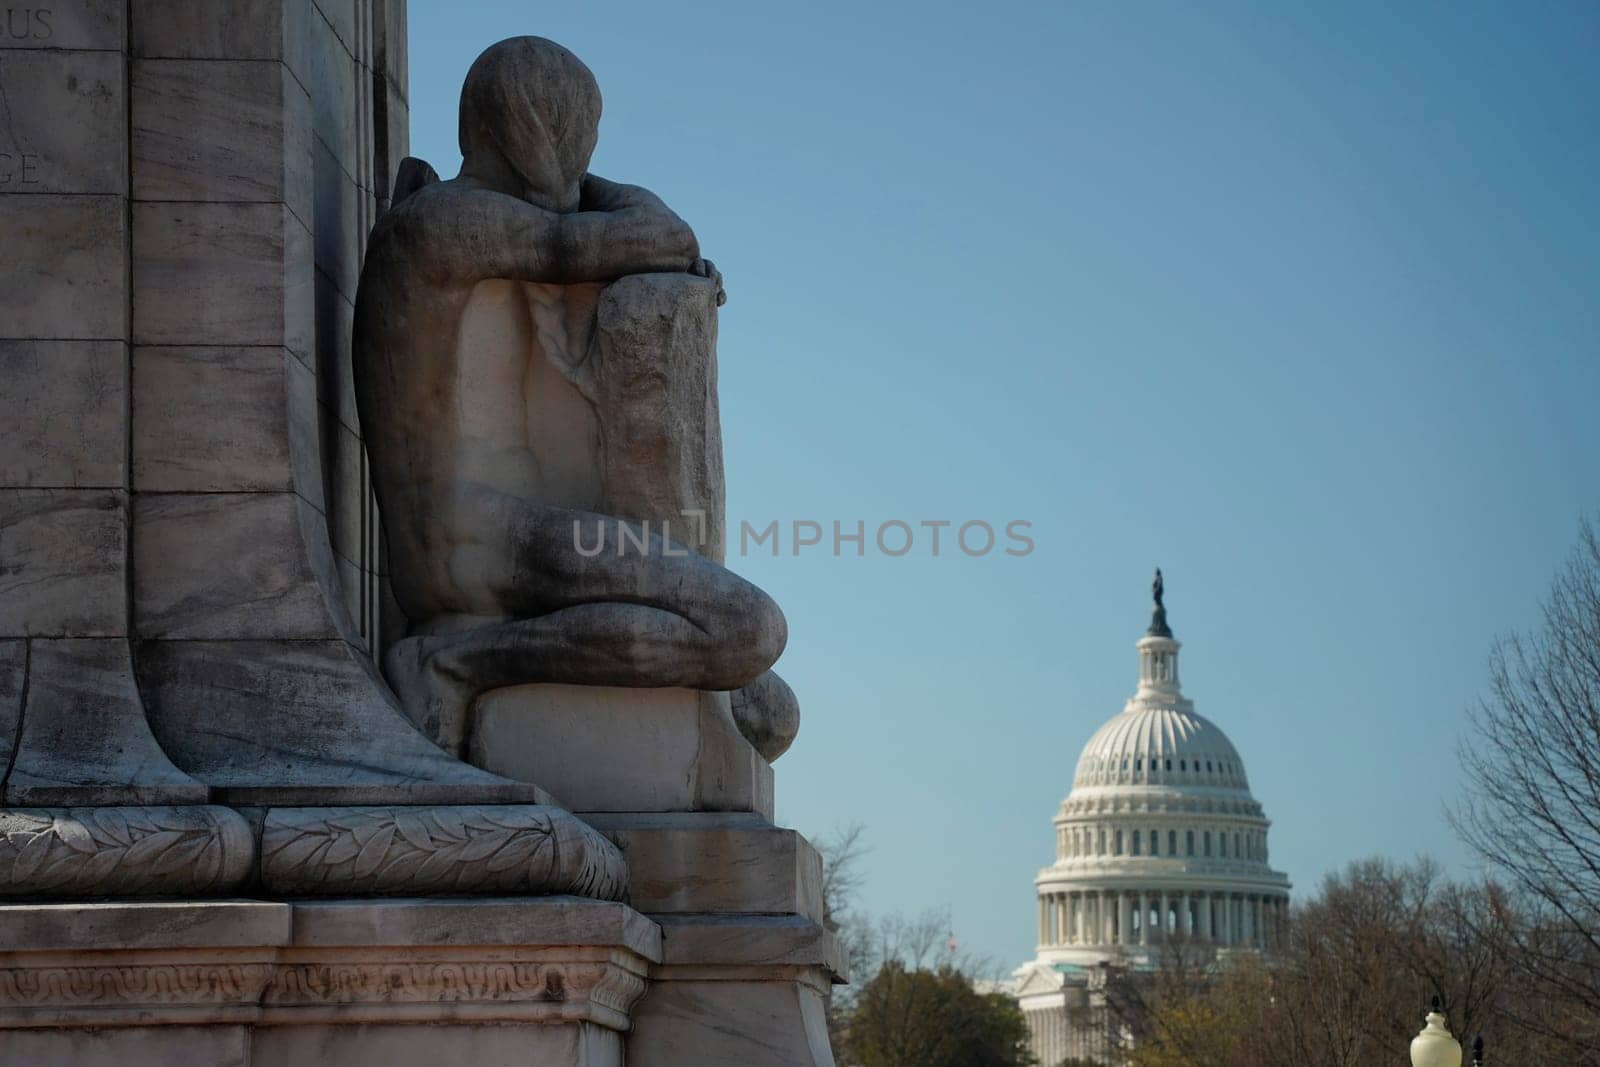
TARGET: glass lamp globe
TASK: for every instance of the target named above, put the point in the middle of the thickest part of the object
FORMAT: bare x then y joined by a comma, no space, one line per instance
1435,1047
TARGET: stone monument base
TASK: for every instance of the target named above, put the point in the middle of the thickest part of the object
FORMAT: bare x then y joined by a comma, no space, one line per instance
358,983
746,959
738,991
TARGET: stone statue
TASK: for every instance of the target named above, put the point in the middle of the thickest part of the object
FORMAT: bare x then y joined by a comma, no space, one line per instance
534,359
1158,612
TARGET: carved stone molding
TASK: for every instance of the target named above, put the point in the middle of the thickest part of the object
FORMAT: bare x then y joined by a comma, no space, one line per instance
513,848
542,961
537,985
123,851
547,986
57,993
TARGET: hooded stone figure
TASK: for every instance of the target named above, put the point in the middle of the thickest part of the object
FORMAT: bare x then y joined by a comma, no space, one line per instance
534,105
517,402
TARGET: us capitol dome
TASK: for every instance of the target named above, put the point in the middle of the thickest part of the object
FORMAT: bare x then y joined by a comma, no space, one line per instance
1159,842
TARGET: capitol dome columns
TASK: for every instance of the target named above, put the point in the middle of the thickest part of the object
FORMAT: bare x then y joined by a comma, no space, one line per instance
1098,918
1127,917
1140,918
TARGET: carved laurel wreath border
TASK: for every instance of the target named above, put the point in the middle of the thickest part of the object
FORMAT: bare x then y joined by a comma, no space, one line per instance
115,849
436,850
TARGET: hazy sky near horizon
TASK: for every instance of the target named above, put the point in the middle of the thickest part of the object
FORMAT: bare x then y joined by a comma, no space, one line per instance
1297,301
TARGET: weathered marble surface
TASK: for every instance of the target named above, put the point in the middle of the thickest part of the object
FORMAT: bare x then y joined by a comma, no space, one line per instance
687,863
62,413
652,382
69,138
716,1023
752,947
216,420
335,323
83,738
605,748
345,477
13,684
80,290
299,722
578,1044
341,224
61,563
734,990
745,958
123,926
212,1045
178,29
221,274
269,587
236,131
330,61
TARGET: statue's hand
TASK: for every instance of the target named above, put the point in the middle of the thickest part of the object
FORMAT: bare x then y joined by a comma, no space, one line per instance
704,268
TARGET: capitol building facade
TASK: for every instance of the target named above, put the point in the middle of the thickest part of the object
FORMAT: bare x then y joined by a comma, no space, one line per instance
1159,843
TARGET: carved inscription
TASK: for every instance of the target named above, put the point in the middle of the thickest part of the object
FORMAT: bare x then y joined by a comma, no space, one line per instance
29,23
19,168
109,984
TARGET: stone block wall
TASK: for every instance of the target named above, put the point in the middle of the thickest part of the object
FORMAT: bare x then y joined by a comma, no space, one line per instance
257,169
71,714
185,193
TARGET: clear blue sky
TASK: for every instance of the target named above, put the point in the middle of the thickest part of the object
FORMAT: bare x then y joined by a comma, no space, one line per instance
1297,301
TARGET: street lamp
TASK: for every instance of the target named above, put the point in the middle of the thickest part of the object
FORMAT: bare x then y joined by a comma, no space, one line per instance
1434,1047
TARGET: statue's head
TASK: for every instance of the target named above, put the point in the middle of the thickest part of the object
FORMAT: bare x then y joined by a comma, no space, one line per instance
532,106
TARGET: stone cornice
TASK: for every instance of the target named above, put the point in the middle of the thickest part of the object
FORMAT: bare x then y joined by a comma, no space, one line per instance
1267,882
1141,800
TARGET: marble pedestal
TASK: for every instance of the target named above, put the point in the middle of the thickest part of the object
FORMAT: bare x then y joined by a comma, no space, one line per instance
602,748
735,990
665,775
358,983
745,960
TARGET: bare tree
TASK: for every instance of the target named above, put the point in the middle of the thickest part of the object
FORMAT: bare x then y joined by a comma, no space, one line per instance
1533,809
1347,985
842,850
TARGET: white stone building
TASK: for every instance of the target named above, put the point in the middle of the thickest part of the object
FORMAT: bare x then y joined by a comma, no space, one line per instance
1158,840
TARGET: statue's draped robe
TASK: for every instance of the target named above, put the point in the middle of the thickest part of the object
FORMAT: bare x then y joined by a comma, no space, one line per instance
619,388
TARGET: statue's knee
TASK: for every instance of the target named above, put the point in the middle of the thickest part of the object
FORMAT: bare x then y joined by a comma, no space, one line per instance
767,714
